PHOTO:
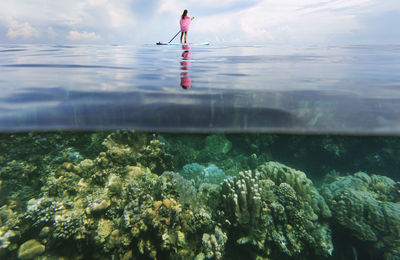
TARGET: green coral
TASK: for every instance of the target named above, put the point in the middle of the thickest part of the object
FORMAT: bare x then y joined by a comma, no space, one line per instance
217,144
368,208
277,212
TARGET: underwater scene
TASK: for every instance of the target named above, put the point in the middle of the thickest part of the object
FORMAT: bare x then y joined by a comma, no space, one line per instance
139,195
199,152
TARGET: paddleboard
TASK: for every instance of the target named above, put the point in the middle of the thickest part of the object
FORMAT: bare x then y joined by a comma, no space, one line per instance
166,43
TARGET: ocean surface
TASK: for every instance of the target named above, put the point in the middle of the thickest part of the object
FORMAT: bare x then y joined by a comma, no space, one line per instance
252,88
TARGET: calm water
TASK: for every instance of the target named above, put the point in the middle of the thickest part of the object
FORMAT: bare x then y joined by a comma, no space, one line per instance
314,89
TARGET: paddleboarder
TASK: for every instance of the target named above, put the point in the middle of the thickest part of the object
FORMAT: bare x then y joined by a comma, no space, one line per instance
185,24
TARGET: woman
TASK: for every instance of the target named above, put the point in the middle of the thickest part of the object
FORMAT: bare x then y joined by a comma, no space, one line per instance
185,23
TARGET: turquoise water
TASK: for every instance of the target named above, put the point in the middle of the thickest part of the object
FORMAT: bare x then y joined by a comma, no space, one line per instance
200,152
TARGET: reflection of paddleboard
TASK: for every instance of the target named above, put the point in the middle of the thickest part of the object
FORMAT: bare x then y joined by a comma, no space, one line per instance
166,43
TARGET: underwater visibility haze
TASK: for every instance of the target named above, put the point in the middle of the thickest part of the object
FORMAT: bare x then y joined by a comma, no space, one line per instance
199,152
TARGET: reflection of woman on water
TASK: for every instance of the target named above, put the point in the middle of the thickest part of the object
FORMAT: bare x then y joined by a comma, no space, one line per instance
185,23
185,79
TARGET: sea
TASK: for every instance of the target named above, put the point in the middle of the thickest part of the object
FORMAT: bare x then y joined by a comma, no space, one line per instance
220,151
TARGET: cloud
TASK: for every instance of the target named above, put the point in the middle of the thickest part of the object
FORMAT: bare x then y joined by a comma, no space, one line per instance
82,36
21,30
206,7
105,17
51,34
135,21
285,21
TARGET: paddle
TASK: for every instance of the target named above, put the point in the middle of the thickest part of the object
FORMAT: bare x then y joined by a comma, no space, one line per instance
174,37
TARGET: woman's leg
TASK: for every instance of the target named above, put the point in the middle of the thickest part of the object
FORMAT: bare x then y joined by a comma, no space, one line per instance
185,36
181,36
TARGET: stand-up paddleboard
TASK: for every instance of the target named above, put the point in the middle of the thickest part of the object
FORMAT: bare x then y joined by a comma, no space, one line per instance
166,43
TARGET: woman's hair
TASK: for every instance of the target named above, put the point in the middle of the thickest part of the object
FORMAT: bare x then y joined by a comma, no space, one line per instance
184,14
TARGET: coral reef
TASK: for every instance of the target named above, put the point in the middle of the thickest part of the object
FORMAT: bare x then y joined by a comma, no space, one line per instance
161,224
128,148
114,205
128,195
277,212
367,207
200,174
217,144
205,150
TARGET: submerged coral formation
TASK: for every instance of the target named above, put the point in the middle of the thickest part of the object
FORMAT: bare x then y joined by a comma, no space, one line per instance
128,195
114,205
368,208
200,174
277,211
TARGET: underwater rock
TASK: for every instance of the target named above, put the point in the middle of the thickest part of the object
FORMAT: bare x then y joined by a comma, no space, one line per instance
30,249
368,208
277,212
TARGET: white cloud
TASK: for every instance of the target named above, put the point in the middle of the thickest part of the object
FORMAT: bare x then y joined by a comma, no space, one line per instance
306,21
135,21
114,14
82,36
21,30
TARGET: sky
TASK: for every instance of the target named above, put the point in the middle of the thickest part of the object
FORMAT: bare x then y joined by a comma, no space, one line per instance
222,21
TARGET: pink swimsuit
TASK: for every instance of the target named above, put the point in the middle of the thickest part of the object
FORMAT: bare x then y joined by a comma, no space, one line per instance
185,23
